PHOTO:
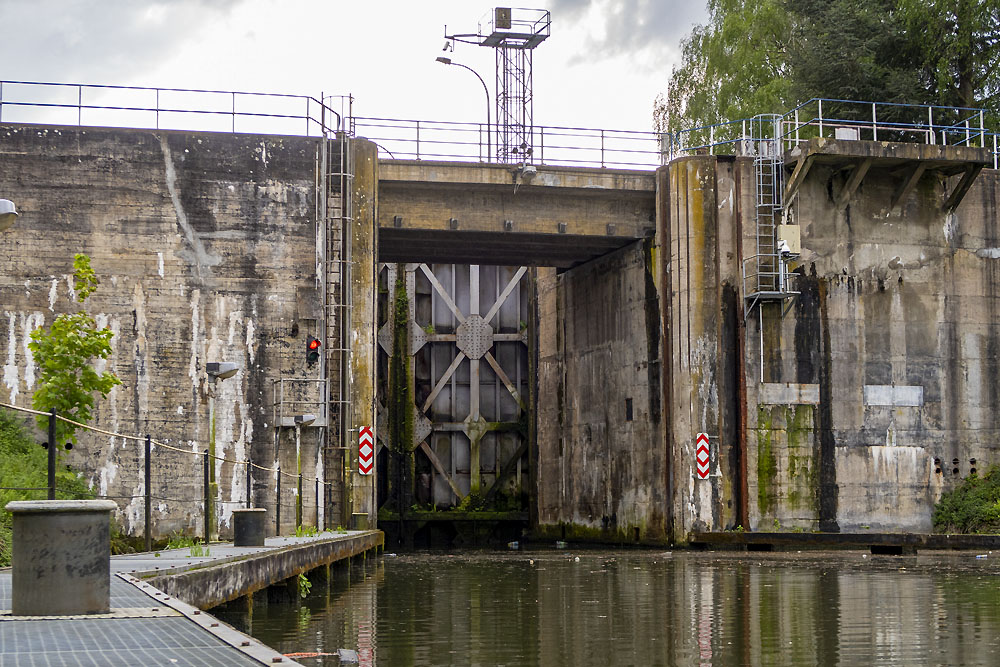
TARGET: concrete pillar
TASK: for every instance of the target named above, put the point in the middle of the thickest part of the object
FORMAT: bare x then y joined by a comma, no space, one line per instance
364,321
61,557
249,527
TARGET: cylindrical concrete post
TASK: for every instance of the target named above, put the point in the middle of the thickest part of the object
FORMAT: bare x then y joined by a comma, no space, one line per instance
248,527
61,557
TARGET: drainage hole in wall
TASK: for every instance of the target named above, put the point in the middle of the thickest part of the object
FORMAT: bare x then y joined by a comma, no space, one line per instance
954,471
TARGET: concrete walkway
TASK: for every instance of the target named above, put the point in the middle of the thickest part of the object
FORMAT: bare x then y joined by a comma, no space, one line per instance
150,626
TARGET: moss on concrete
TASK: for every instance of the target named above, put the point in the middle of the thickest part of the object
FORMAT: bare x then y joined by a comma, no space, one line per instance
767,464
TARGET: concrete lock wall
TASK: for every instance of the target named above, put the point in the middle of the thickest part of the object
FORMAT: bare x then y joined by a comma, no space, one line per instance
601,455
859,398
205,245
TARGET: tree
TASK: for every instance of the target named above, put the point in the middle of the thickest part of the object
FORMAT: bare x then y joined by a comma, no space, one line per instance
735,67
765,56
67,380
959,50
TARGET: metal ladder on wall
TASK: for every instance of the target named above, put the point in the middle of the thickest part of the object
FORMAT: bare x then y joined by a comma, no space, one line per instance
764,275
334,220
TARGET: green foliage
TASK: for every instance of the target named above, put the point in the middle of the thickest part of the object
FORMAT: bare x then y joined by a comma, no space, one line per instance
180,542
306,531
957,45
304,585
23,465
64,353
972,507
735,67
199,550
765,56
341,530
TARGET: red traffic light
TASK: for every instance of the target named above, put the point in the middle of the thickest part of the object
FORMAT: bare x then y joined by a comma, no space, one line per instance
312,350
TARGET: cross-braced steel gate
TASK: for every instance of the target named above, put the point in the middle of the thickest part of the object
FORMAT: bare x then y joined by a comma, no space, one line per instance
453,376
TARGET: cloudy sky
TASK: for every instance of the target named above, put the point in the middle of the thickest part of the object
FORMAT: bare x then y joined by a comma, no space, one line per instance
603,65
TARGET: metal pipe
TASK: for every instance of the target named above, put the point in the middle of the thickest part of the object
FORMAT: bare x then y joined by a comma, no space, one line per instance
208,500
149,499
249,484
277,503
52,446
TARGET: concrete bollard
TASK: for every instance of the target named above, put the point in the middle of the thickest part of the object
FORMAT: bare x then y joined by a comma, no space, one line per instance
248,527
62,557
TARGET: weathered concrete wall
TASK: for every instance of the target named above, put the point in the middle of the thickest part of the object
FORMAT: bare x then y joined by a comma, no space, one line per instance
891,350
866,399
601,455
703,318
205,247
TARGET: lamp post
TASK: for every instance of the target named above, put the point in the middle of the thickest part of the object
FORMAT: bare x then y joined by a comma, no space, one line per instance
8,214
216,371
489,129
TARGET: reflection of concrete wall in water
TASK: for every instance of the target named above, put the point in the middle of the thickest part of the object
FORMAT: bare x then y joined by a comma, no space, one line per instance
203,244
467,379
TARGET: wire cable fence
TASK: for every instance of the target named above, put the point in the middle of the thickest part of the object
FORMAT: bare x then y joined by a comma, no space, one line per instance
207,499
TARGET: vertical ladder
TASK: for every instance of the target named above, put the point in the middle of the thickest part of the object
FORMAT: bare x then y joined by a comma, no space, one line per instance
337,178
769,195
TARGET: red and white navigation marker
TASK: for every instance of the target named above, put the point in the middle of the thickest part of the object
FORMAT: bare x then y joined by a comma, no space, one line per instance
366,451
701,455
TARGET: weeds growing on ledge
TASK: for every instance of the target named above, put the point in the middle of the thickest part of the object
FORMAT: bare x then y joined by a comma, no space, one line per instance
971,507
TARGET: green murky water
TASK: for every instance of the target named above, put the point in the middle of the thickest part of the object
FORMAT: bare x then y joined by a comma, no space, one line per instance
647,608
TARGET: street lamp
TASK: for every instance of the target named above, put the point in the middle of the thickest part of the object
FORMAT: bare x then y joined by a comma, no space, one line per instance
8,214
489,130
217,370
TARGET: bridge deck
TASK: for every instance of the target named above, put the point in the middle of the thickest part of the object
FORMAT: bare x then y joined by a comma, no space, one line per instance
498,214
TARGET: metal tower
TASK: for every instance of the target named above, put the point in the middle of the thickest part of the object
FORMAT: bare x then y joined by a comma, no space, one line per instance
514,34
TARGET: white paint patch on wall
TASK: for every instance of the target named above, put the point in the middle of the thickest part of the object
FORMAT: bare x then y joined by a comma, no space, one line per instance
71,285
900,396
30,322
53,294
10,374
159,263
140,355
195,336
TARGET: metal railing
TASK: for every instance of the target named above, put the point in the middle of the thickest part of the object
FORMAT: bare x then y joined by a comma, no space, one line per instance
873,121
209,503
411,139
166,108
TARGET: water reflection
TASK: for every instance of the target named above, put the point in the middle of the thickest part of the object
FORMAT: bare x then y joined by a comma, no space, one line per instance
643,608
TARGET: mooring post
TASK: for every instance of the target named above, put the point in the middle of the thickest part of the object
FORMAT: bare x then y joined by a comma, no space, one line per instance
149,498
51,445
208,501
277,505
61,557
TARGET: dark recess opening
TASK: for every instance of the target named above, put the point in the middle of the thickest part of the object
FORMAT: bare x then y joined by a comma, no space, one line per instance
628,409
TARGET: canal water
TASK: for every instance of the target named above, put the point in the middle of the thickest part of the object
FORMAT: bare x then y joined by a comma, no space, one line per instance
647,608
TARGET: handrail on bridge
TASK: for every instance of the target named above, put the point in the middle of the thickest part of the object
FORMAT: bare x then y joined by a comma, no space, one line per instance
48,103
877,121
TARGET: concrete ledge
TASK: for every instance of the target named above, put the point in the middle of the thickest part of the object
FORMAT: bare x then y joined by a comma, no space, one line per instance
211,584
900,542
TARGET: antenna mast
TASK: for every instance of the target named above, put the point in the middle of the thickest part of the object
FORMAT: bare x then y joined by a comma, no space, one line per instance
513,34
